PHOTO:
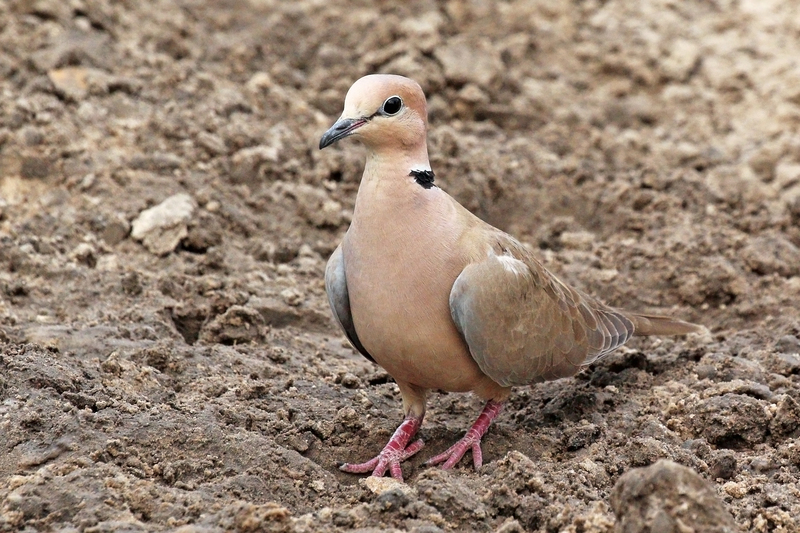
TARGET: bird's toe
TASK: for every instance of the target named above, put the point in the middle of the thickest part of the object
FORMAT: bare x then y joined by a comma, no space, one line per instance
449,458
388,460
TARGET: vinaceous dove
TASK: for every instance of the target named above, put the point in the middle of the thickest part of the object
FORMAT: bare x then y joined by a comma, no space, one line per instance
441,299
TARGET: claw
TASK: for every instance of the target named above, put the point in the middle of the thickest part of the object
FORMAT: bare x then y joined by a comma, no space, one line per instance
472,440
395,452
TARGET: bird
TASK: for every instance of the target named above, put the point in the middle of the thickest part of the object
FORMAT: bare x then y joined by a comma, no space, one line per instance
441,299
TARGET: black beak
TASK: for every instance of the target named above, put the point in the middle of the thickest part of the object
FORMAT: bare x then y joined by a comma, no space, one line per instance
340,130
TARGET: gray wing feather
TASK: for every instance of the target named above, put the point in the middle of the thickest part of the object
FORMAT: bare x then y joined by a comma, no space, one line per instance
339,299
522,325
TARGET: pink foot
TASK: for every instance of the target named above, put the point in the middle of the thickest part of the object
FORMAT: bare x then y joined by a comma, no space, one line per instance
395,452
471,440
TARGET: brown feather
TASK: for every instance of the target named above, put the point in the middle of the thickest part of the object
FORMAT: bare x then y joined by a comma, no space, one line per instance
661,325
523,325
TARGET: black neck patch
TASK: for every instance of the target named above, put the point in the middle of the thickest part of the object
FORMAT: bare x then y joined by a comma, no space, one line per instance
423,177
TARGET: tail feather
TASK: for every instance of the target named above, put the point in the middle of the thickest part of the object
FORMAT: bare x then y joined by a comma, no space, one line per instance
661,325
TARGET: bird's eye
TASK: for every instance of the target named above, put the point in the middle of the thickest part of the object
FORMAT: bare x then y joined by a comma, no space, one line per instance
392,105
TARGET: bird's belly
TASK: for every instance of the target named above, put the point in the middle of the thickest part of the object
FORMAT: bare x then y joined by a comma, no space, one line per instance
403,320
417,344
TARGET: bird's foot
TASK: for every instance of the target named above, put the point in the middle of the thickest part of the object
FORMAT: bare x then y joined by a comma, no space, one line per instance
395,452
472,440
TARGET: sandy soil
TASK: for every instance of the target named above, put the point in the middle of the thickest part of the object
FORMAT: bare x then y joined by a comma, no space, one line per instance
189,377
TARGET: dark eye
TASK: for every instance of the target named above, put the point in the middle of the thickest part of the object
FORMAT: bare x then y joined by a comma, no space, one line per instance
392,105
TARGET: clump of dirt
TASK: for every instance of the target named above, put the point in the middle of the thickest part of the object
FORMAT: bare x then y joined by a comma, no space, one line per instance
168,361
665,497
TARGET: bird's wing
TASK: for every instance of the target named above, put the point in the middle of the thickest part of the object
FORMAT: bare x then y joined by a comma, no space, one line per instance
523,325
339,299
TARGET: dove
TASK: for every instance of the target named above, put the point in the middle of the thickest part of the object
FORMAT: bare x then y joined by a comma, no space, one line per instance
441,299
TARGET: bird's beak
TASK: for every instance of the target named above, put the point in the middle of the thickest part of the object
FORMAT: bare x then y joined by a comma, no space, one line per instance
341,129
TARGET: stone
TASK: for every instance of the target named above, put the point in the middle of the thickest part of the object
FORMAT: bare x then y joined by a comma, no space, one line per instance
162,227
35,167
724,466
737,186
724,367
449,495
275,312
787,175
160,162
383,485
786,422
681,61
203,234
772,254
468,60
115,231
237,325
75,83
249,165
738,386
424,30
787,363
788,344
316,206
579,437
85,253
283,251
731,420
668,498
72,48
578,240
763,161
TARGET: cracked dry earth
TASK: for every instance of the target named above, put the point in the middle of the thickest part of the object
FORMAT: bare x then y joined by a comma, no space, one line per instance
168,362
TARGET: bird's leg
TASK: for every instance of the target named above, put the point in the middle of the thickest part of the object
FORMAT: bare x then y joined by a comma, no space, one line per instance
395,452
471,440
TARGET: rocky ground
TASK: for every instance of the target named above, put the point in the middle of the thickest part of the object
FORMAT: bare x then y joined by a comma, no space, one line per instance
168,361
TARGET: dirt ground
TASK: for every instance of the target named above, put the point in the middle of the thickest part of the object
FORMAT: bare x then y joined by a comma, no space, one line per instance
187,375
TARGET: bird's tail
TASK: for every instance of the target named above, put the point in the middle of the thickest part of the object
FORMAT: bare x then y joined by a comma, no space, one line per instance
661,325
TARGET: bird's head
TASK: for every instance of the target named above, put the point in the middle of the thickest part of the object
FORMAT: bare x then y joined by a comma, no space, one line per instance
383,111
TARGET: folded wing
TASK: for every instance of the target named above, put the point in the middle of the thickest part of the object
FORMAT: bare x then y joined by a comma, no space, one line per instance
339,299
523,325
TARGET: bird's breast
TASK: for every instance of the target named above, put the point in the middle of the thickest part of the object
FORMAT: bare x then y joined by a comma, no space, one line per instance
400,264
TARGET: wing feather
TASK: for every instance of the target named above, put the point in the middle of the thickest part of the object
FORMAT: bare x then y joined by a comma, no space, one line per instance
523,325
339,299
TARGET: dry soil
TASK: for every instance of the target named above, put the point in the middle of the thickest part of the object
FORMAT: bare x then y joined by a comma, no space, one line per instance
190,377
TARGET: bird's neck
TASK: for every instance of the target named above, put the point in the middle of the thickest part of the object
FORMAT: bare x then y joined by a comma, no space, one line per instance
398,220
391,190
385,165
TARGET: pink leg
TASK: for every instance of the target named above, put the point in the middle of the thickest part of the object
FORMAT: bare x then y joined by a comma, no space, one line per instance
396,451
471,440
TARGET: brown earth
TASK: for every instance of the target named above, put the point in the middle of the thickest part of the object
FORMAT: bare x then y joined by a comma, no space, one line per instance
649,150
